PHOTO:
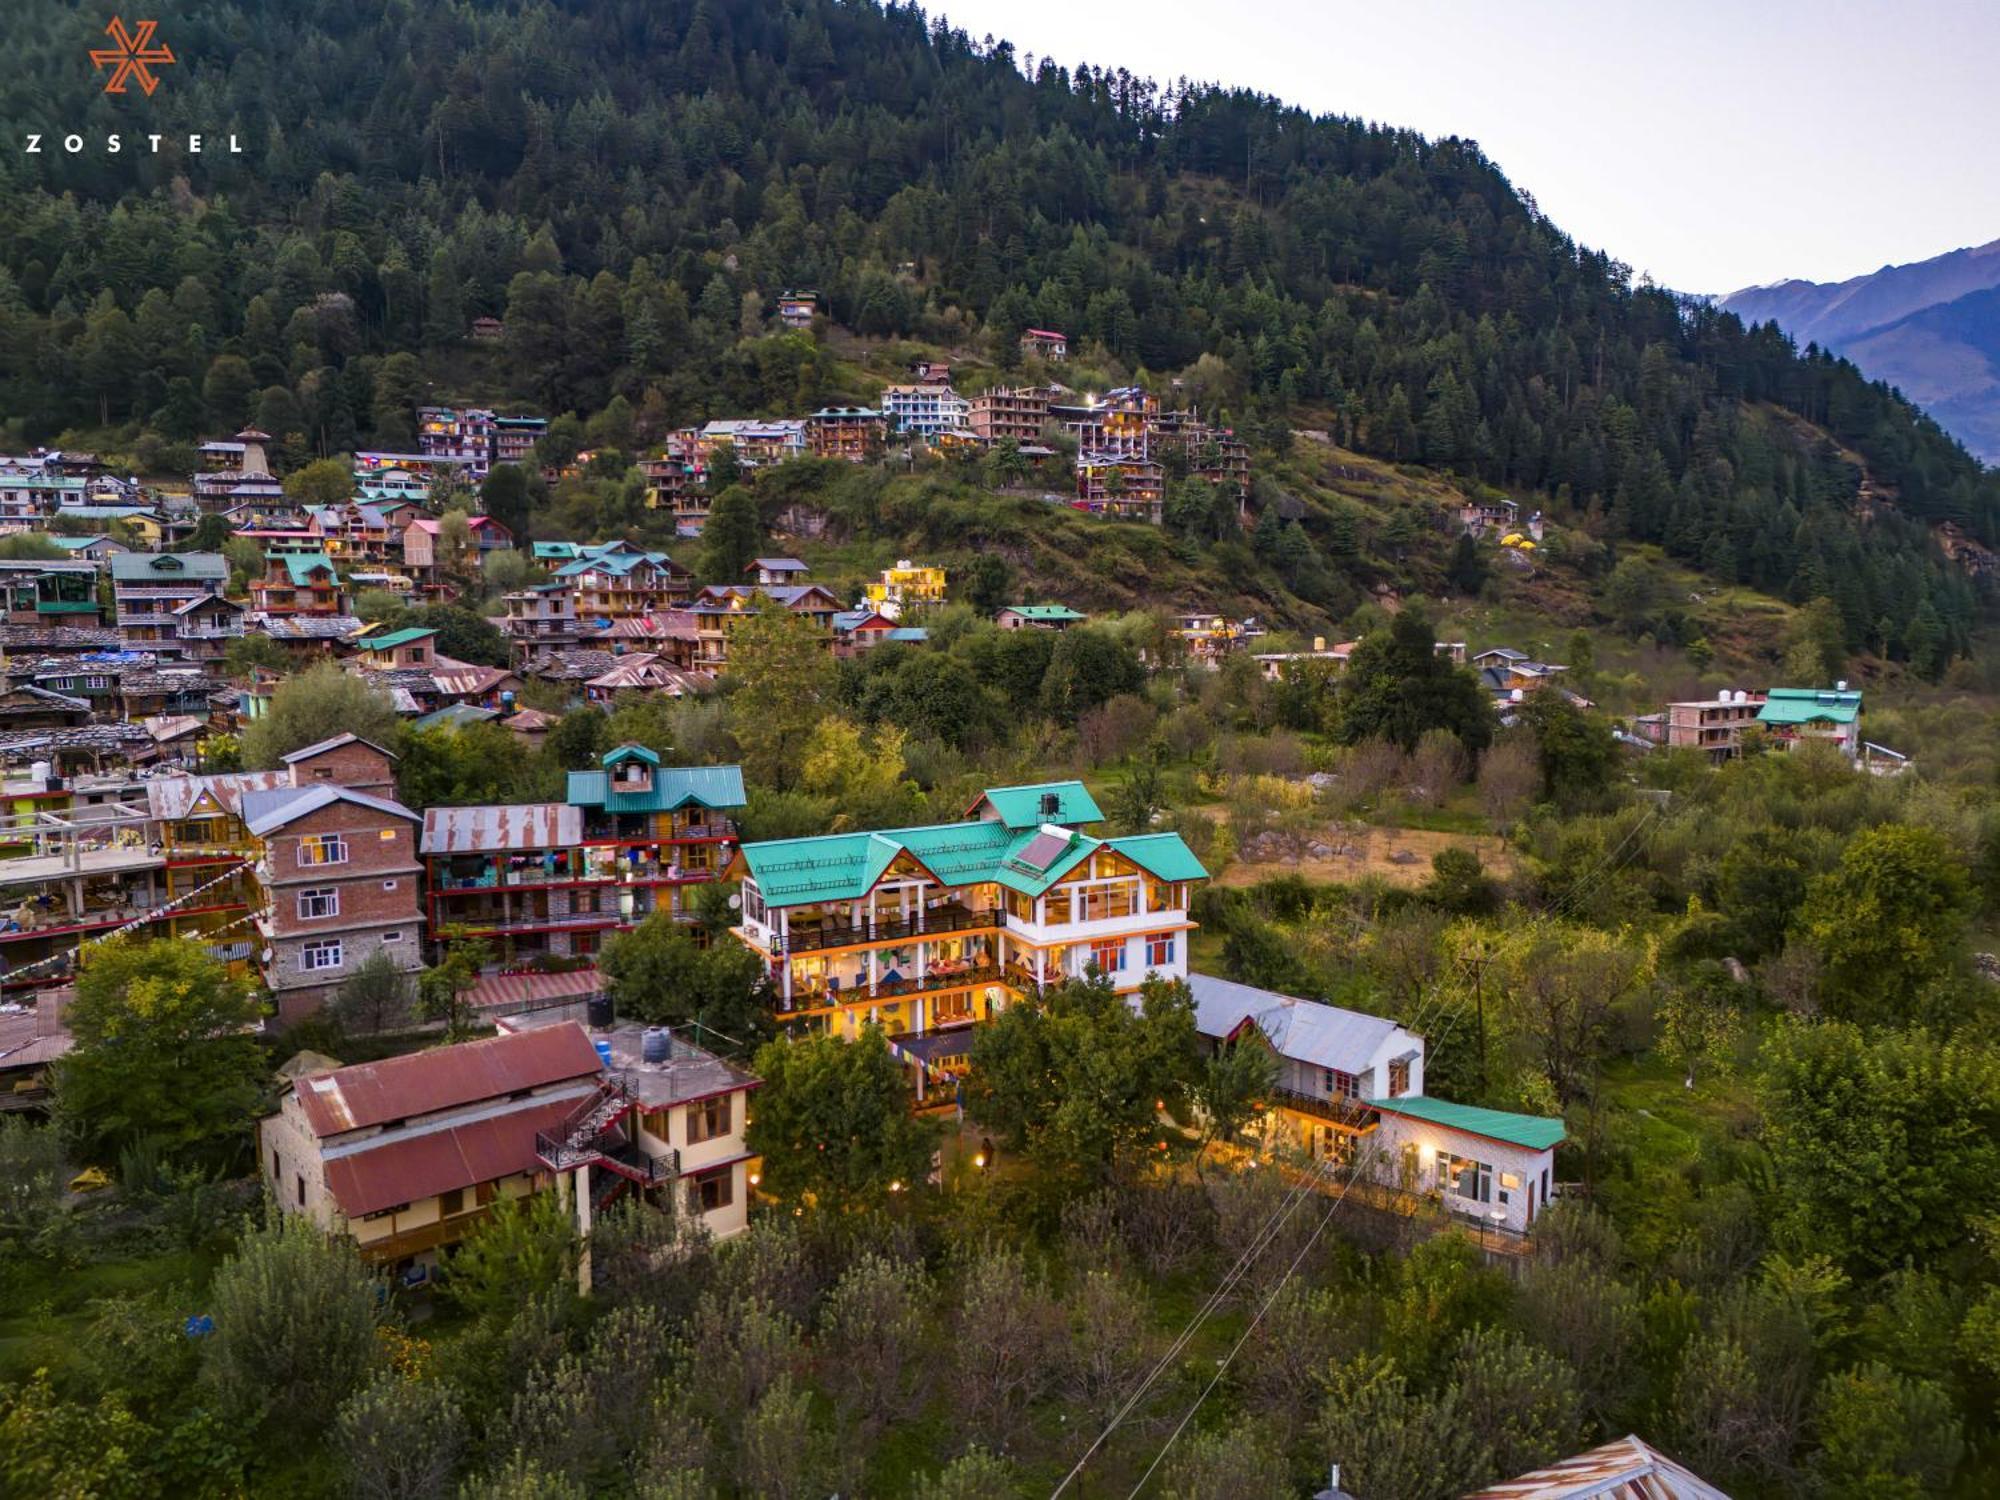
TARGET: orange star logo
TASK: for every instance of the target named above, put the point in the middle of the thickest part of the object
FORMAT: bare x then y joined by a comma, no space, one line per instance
134,57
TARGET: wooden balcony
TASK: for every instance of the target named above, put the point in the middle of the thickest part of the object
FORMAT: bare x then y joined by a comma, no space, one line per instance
943,919
1349,1114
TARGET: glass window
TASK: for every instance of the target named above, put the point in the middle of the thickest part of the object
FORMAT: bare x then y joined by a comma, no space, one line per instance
322,849
1341,1085
322,902
716,1190
1465,1178
1109,957
708,1119
322,954
1160,950
1399,1078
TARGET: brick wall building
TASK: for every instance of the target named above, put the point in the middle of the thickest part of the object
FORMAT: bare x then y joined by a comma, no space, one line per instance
342,881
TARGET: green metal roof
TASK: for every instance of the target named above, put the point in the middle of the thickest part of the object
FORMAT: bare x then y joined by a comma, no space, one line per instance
1809,706
1164,856
301,566
1045,612
1534,1132
718,788
168,567
978,851
393,639
630,752
1021,806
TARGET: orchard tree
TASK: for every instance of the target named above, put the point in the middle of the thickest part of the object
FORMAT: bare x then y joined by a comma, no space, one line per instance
732,535
164,1049
324,481
323,701
657,973
295,1315
786,682
1885,1145
1574,752
1398,685
1078,1076
833,1121
1887,921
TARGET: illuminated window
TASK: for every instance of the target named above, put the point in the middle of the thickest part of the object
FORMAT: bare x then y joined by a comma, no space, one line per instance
1108,957
322,849
1160,950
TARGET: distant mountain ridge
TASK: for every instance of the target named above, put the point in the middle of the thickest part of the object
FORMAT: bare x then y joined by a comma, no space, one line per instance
1931,329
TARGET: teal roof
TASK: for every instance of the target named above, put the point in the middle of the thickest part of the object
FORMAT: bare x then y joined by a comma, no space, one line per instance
630,752
562,550
617,563
1021,806
1164,856
393,639
979,851
301,566
1809,706
168,567
1045,612
1534,1132
715,787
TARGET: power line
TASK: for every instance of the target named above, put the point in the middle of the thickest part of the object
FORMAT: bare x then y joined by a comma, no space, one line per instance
1267,1232
1223,1367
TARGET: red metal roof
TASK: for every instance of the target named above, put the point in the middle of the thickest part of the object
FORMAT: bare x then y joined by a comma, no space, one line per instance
404,1169
1628,1469
503,827
510,991
421,1083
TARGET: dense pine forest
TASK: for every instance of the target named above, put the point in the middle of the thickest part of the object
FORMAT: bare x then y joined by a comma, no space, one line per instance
630,185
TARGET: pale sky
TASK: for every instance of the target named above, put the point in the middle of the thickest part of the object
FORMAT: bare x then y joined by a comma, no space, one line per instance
1714,144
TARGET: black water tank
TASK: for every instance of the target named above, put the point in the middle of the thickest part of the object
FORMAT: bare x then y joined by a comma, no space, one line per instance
600,1012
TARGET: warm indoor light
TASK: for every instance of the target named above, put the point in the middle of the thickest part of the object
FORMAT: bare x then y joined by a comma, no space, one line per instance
979,1161
755,1178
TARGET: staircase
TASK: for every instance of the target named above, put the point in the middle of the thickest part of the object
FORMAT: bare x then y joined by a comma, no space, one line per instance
592,1135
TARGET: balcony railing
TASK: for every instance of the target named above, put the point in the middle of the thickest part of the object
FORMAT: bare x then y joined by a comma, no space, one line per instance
909,984
831,935
1340,1111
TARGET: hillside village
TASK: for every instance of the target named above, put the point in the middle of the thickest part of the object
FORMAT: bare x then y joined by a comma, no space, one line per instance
765,752
480,951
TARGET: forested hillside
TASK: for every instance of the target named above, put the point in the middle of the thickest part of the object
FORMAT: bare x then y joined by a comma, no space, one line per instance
631,184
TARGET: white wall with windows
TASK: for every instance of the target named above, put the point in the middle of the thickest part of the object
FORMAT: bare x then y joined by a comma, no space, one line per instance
1474,1175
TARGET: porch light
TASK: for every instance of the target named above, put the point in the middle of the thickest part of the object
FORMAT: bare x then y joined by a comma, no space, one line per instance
979,1160
756,1178
896,1187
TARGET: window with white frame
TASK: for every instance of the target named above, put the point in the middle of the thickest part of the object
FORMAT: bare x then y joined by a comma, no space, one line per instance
322,901
393,935
320,955
1463,1177
322,849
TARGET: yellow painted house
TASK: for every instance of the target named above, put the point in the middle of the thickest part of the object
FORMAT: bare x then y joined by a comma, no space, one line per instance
907,585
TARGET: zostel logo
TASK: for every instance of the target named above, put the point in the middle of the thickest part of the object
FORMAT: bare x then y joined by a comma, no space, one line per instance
133,58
